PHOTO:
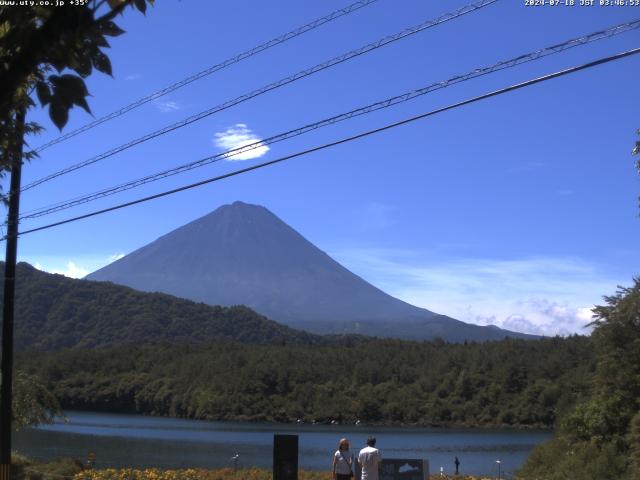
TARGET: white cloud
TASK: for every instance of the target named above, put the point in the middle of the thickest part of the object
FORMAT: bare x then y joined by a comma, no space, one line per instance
133,76
115,256
72,270
543,295
79,267
168,106
238,137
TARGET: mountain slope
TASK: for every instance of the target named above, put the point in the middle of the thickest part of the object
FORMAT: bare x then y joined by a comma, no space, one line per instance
54,312
244,254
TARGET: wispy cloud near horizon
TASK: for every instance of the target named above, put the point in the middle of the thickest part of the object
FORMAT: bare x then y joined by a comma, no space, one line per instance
237,137
115,256
72,270
539,295
77,268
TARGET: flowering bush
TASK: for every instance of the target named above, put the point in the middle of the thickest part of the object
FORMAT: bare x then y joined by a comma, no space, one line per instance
215,474
190,474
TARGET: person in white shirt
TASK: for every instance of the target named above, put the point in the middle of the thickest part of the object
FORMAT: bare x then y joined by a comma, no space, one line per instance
342,462
369,460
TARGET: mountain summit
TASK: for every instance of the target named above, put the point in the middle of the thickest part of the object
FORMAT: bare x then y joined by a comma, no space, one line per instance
242,254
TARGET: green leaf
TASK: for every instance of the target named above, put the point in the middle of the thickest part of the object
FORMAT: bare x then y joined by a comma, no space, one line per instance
44,94
82,102
59,113
75,91
115,3
98,40
141,5
81,63
111,29
68,90
69,85
55,81
58,64
101,61
33,128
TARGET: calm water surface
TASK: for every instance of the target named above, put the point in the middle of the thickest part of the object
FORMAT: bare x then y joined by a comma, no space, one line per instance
138,441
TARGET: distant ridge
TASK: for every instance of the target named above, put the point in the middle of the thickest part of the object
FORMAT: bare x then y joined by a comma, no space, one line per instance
244,254
54,312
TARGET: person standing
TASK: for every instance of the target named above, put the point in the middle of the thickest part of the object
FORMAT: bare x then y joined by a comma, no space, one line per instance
369,460
457,464
342,466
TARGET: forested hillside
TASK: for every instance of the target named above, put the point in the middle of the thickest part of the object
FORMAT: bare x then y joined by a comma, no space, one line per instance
513,382
54,312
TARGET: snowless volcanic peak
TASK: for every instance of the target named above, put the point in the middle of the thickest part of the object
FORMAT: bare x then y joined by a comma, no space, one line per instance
242,254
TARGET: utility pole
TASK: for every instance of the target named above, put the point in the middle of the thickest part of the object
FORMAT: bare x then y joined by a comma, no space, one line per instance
14,157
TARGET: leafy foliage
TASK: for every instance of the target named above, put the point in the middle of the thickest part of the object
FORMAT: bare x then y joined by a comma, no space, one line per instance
37,39
600,438
192,474
636,151
33,404
24,468
34,41
513,382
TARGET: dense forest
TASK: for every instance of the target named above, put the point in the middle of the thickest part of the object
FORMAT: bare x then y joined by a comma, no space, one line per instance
513,382
55,312
233,364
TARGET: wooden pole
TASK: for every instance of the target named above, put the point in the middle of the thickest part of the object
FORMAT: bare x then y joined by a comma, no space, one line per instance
6,393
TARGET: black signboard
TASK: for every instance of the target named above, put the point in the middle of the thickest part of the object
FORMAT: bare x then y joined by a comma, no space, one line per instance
285,457
404,469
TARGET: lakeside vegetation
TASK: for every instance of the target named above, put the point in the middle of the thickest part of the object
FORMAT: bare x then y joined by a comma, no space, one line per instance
25,469
513,382
600,438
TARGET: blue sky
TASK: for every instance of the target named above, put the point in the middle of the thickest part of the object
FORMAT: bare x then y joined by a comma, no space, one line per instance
521,210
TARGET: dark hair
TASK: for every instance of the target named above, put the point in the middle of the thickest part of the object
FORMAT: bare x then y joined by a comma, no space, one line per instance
371,441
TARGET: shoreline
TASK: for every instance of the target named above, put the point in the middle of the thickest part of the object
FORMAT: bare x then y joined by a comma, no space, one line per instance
294,422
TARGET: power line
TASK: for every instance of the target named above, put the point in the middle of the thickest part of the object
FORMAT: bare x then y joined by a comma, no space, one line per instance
347,139
272,86
519,60
212,69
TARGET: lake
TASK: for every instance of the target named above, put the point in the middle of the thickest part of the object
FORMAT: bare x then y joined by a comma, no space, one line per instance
139,441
